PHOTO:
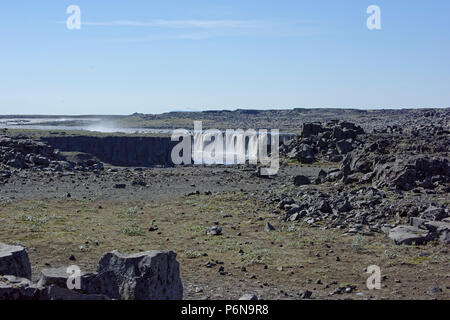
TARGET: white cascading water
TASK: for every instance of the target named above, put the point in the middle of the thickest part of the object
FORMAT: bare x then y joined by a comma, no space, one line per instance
197,147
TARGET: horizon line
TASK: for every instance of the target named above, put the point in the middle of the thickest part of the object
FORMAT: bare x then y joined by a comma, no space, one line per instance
217,110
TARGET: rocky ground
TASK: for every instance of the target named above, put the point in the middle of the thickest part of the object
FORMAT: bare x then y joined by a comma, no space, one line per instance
347,196
288,120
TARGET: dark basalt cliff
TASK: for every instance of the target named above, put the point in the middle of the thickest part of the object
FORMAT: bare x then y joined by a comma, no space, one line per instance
119,150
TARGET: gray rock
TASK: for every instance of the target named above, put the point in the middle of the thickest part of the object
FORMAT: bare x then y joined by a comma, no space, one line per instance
333,175
418,222
54,276
434,213
105,283
325,207
408,235
444,237
351,126
436,226
338,133
306,155
17,163
151,275
248,296
139,182
301,180
344,147
294,209
66,165
335,157
311,129
440,230
293,154
406,174
284,202
14,261
214,231
356,177
344,206
435,290
297,216
305,294
321,176
16,288
54,292
269,227
355,229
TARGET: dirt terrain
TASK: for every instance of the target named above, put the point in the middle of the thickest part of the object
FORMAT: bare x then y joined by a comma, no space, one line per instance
341,202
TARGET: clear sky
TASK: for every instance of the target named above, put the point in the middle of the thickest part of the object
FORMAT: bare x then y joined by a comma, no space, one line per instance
157,56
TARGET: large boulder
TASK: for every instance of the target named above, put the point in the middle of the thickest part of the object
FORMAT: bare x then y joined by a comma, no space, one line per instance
434,214
351,126
440,230
17,288
405,179
301,180
54,276
214,231
306,154
94,284
344,146
360,163
407,173
14,261
151,275
325,207
409,235
105,283
311,129
54,292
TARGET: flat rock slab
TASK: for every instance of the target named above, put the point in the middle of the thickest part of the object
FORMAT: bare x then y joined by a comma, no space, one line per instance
440,230
151,275
409,235
57,293
249,297
92,284
437,226
14,261
16,288
54,276
434,213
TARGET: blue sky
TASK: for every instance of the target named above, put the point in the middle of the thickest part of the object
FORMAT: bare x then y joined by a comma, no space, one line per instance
159,56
